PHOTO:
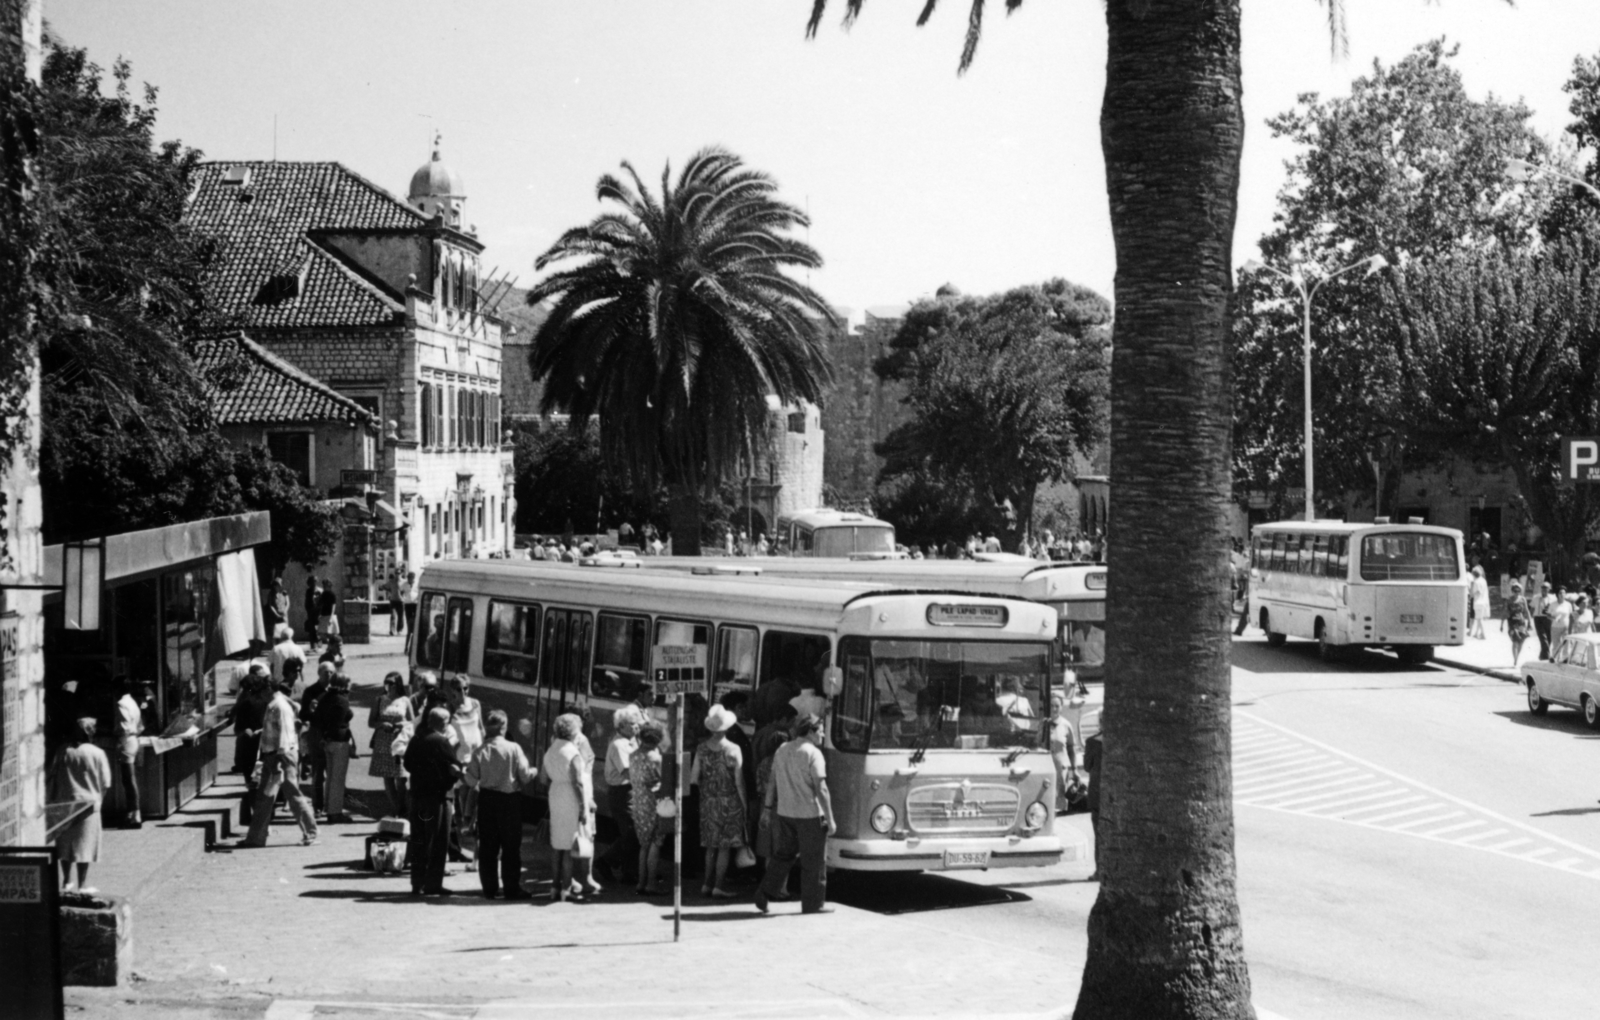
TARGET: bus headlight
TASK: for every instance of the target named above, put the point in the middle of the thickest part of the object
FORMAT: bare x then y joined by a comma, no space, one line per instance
882,819
1036,815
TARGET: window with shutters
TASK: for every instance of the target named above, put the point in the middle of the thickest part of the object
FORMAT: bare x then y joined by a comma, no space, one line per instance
425,418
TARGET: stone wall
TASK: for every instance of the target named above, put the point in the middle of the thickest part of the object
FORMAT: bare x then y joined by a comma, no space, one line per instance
859,410
22,764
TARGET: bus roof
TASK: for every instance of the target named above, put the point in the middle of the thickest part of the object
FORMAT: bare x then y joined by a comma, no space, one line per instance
821,517
1332,527
1029,578
815,602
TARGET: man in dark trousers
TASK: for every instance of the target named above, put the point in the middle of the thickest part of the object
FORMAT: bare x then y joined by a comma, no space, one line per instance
499,771
802,818
431,761
312,599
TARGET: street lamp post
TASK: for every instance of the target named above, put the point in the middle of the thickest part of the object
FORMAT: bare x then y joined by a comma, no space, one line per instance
1521,170
1372,263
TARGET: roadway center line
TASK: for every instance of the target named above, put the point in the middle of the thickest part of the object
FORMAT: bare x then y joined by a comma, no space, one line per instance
1435,791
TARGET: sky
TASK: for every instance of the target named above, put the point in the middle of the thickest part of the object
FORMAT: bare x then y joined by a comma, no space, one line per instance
913,176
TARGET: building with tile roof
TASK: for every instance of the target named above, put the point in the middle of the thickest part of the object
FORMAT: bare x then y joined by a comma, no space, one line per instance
377,301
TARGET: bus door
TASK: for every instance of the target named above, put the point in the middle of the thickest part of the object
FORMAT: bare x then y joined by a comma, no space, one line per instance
563,665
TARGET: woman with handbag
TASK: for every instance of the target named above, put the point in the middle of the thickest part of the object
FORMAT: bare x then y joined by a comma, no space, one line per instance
649,797
331,719
391,715
719,773
570,818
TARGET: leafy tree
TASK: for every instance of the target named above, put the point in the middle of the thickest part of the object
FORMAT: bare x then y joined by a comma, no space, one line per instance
305,529
1501,353
1408,166
1004,392
563,483
677,322
127,438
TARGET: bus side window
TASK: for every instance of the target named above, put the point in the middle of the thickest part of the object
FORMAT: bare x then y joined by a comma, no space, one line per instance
1319,556
802,541
735,668
1336,555
619,657
430,629
511,642
1307,546
458,636
1280,542
793,662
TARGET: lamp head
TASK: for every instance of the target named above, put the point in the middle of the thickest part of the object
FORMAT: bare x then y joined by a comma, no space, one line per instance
1376,263
1518,169
1252,266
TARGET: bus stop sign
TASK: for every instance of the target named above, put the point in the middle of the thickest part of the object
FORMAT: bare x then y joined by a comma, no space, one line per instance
680,669
1580,459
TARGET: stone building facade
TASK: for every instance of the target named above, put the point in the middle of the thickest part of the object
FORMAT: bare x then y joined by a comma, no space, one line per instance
380,300
860,409
22,721
788,469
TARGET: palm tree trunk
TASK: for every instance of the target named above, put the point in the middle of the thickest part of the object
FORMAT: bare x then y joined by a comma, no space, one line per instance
1164,935
683,513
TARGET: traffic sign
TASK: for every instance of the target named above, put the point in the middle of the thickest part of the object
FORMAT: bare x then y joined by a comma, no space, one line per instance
1580,459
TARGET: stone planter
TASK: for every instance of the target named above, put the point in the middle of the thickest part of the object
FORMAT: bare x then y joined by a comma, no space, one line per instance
96,940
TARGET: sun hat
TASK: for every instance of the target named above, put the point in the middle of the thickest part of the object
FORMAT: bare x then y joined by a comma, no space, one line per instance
719,719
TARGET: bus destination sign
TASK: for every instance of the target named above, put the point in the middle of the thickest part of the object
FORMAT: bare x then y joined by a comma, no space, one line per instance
1580,459
967,614
679,669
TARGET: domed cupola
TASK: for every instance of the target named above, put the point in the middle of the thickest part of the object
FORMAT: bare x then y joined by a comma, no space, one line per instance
438,190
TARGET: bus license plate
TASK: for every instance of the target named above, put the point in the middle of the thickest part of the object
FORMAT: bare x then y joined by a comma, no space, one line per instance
966,859
1410,617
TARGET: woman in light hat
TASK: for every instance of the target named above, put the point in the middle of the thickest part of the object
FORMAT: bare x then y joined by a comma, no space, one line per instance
719,772
1478,601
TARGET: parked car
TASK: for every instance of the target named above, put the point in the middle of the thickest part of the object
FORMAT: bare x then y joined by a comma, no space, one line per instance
1571,678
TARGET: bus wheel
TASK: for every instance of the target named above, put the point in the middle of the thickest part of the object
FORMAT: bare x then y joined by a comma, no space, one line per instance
1273,637
1327,650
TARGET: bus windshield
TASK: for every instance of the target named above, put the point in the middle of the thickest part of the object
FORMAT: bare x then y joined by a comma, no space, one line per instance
1409,556
941,694
842,541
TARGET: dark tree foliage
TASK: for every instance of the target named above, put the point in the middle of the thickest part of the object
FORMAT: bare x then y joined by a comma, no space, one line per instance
128,439
675,320
1408,166
23,301
1005,391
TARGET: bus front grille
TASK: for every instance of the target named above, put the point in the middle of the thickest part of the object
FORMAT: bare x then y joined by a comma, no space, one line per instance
946,808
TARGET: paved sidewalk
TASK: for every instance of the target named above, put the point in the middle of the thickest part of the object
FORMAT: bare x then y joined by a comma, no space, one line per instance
1489,655
290,932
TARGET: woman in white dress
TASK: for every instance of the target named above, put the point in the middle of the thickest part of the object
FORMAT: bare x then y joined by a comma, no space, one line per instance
569,802
1478,595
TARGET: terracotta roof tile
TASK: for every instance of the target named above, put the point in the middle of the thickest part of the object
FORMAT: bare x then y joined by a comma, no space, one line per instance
249,385
268,273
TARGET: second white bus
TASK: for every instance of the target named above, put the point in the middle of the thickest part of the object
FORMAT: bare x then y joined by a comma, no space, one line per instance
1344,585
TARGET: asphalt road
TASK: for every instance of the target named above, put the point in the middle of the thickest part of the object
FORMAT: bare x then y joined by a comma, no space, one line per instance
1412,843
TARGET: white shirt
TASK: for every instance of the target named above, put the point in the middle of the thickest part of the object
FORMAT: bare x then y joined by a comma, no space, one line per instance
129,725
278,731
281,653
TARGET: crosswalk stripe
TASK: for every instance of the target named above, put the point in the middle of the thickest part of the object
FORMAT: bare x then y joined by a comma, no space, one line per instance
1400,814
1565,862
1544,851
1482,835
1256,788
1428,821
1302,788
1436,833
1355,815
1247,766
1334,801
1508,844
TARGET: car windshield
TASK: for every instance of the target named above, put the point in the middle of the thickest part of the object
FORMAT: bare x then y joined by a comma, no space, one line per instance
1409,556
941,694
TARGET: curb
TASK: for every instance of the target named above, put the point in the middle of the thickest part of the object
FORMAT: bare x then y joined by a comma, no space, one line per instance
1506,673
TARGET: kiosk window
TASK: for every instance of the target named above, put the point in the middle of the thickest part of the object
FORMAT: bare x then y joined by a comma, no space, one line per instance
458,636
619,656
511,642
430,629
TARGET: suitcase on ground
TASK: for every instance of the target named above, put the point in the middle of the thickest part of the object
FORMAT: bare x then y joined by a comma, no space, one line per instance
399,828
385,853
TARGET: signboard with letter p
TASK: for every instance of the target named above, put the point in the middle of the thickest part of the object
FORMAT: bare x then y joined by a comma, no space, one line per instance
1580,459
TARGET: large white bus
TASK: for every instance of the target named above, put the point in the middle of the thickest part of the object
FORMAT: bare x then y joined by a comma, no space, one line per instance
1076,591
935,703
840,534
1378,585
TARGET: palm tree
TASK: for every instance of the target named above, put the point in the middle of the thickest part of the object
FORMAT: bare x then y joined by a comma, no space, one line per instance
678,327
1164,934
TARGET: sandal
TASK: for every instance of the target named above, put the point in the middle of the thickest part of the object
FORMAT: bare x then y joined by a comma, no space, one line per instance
723,894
